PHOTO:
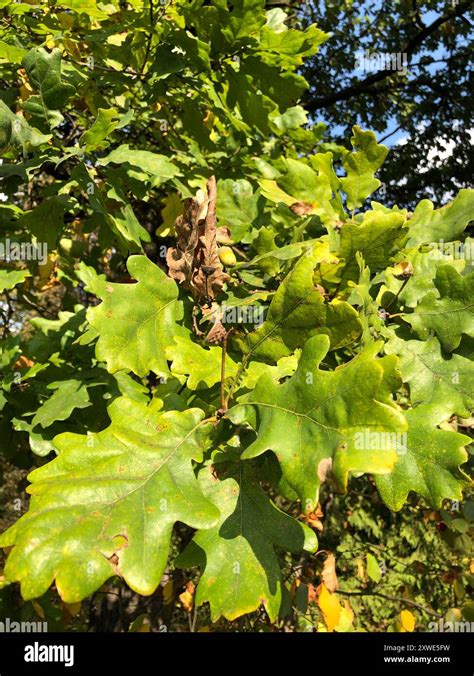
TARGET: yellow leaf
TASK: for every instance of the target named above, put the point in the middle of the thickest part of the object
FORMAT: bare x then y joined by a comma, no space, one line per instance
187,597
227,256
173,207
360,569
407,621
330,608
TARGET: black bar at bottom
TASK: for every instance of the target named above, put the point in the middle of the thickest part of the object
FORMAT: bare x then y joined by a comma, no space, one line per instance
116,654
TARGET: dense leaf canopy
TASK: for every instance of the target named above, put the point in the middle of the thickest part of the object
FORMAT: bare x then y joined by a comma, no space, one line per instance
208,320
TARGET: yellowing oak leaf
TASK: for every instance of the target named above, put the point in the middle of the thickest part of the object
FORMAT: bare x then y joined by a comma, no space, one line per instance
344,415
107,504
430,462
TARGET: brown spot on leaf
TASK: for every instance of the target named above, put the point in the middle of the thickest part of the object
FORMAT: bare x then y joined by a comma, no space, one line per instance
324,469
301,208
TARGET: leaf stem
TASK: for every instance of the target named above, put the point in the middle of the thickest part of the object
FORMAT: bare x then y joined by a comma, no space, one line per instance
398,292
235,382
224,401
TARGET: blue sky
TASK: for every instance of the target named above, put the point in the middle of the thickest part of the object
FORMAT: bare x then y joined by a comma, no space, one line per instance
427,16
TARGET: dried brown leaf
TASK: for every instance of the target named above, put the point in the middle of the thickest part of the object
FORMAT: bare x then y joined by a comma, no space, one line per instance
194,262
328,574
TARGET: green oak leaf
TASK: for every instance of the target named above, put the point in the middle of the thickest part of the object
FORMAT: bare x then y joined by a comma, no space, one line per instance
127,225
245,19
107,504
299,311
14,130
284,367
430,465
445,224
254,107
95,137
44,74
373,568
368,308
46,221
136,322
264,244
319,415
445,383
361,166
90,8
425,265
151,163
236,206
292,118
449,312
290,45
315,186
10,278
202,366
284,253
11,53
378,236
240,570
68,395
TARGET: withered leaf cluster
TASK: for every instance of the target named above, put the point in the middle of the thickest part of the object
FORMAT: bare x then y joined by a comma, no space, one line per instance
194,262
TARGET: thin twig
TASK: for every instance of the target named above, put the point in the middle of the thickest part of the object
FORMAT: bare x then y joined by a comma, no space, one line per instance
392,598
363,86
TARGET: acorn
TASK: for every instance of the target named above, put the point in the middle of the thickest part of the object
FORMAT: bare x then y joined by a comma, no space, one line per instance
227,256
